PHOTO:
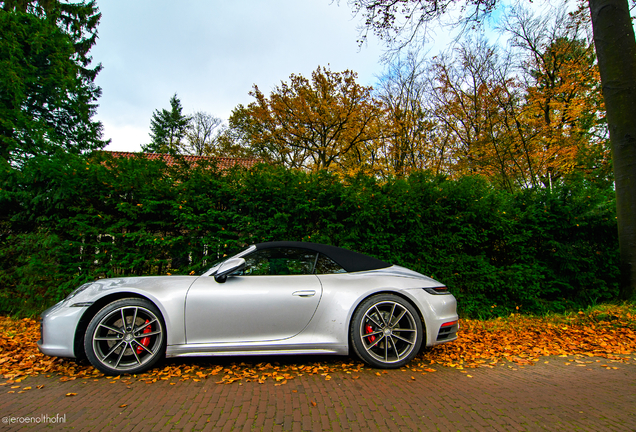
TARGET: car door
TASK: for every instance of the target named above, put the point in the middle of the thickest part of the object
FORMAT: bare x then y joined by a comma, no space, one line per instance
273,298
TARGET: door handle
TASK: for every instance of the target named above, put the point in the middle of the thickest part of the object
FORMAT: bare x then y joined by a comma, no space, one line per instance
304,293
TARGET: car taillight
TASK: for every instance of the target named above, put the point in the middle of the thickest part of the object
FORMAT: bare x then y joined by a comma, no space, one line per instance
449,324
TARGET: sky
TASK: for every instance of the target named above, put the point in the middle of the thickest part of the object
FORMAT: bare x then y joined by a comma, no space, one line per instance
211,53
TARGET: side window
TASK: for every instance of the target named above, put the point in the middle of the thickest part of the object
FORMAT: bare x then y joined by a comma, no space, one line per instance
279,261
325,265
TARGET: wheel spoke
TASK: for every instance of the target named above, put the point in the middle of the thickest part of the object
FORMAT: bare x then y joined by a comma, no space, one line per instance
402,339
391,314
386,351
377,332
113,349
134,351
377,324
111,328
395,348
107,338
380,315
121,354
144,325
143,346
132,325
370,347
143,335
403,330
400,317
123,319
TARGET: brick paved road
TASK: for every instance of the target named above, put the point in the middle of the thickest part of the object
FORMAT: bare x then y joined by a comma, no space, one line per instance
553,396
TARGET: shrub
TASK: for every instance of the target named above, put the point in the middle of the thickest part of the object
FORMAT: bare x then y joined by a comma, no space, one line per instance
69,219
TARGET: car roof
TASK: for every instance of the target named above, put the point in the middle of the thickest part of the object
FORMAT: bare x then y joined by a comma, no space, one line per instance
348,260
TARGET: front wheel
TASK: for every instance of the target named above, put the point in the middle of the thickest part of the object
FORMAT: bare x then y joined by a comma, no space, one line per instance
126,336
386,331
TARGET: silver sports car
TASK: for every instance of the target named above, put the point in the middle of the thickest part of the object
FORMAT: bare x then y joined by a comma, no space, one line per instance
272,298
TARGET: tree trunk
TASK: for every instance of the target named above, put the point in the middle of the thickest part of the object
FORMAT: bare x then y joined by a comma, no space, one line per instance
616,52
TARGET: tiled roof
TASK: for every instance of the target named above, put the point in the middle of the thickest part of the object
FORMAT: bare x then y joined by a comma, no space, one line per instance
221,162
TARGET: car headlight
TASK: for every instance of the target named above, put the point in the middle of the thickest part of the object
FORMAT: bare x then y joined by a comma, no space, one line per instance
437,290
78,290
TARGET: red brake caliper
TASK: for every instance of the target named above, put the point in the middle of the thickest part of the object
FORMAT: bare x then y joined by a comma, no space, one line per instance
145,341
369,329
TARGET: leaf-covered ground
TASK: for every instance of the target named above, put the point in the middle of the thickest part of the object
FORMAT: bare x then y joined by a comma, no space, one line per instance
608,332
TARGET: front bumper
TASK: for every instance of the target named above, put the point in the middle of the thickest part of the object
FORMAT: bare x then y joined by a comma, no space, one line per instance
57,330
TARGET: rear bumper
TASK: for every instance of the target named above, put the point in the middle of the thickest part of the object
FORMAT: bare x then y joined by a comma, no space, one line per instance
437,311
448,332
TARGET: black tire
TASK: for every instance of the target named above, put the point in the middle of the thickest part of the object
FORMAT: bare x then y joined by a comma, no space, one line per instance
386,331
126,336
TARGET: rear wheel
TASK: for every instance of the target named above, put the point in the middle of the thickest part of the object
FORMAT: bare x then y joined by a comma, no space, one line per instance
126,336
386,331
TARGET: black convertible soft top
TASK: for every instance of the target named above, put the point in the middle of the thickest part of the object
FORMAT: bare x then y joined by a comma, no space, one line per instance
349,260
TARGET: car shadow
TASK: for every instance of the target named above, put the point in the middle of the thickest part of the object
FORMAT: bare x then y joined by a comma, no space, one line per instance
259,361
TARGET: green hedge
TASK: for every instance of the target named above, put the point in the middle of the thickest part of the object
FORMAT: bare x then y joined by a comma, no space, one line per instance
69,219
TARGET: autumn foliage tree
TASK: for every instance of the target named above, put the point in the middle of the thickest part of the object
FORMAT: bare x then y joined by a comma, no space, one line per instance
326,122
203,133
401,23
476,103
525,116
564,104
408,141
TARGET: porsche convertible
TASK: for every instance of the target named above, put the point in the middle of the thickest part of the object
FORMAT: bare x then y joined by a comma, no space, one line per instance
271,298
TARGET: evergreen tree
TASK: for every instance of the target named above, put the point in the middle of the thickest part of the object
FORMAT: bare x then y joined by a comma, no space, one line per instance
168,128
47,91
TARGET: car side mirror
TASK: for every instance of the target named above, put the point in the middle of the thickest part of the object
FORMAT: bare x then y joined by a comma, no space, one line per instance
228,267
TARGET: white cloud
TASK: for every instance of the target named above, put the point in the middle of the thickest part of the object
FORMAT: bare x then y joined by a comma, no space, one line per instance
211,53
